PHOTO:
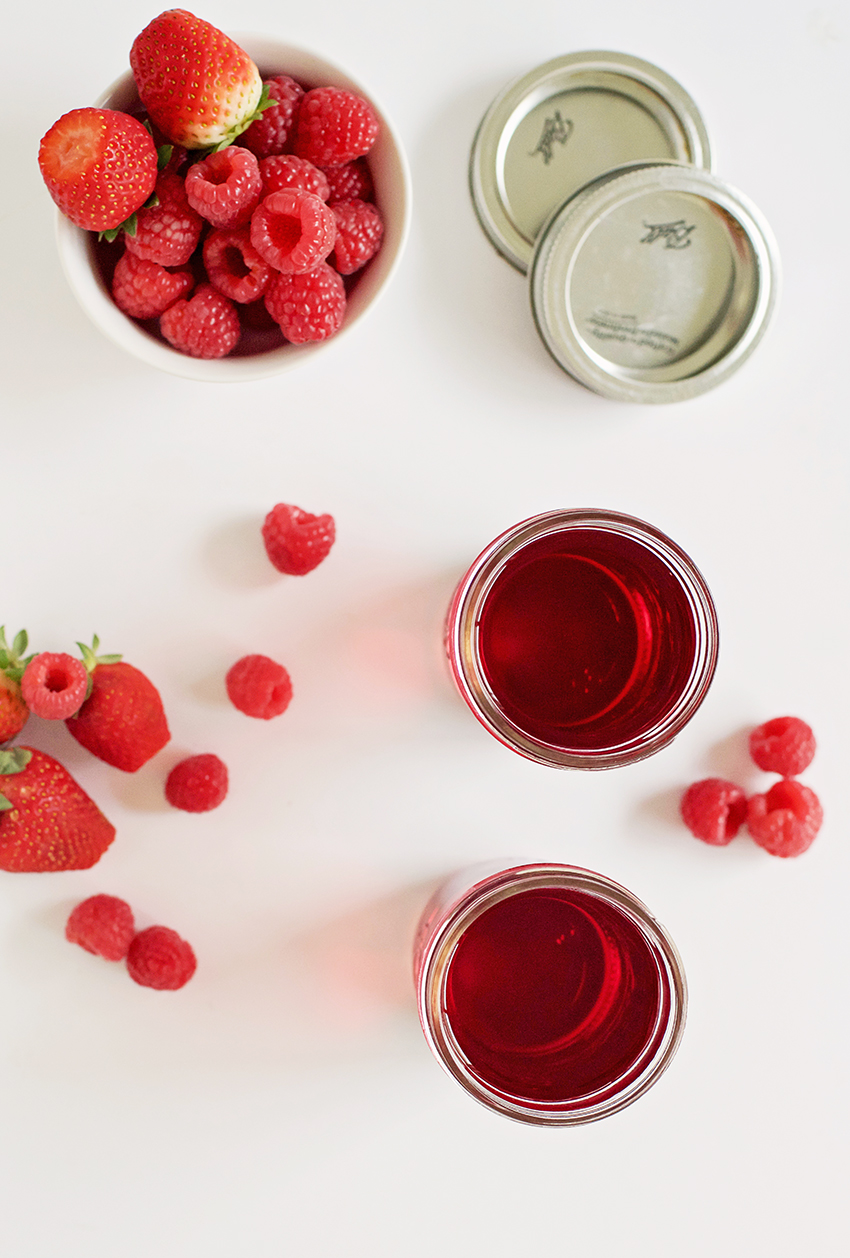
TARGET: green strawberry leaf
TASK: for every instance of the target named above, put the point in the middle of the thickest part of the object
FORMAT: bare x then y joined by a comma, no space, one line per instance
91,659
11,662
163,155
14,760
265,102
5,804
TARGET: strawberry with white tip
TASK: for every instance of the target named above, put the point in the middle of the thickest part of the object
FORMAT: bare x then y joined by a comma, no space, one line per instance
199,87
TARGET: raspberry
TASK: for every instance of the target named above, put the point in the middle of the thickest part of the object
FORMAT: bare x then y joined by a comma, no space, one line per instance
234,266
271,132
307,307
334,127
785,820
293,230
207,326
54,685
225,187
104,925
144,289
350,182
297,542
288,171
198,784
784,745
166,233
159,958
359,230
259,687
714,810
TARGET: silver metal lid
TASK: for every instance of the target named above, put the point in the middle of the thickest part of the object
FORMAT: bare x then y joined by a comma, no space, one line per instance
654,282
563,124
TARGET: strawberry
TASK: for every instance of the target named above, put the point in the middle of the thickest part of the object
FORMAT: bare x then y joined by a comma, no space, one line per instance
198,86
99,166
122,721
47,821
13,708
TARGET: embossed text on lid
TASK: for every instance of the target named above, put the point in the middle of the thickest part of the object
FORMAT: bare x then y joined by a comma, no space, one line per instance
654,282
565,123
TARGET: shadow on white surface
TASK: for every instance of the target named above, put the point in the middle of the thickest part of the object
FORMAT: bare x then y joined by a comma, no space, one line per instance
360,963
730,758
235,557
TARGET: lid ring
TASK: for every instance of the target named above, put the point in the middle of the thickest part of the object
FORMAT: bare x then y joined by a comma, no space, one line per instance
659,324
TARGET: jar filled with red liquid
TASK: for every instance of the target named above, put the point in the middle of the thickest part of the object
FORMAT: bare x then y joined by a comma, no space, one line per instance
549,992
583,639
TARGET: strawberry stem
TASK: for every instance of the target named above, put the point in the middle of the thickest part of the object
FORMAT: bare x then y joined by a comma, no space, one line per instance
91,659
12,660
14,760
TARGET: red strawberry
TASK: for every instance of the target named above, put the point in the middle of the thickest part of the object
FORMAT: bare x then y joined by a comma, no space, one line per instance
13,708
47,821
99,166
122,721
198,86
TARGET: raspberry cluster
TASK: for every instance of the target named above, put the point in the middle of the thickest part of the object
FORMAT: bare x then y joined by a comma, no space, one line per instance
783,820
156,957
247,247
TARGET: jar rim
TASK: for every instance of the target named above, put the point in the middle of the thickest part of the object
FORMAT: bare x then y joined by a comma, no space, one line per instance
462,638
434,957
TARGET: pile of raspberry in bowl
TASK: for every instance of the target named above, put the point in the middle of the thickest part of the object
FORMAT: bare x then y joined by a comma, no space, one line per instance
256,243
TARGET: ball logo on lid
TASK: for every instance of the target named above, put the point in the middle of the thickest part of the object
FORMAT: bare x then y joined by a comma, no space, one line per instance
675,235
556,130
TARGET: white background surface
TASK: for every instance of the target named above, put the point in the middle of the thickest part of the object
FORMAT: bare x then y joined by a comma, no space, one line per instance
284,1102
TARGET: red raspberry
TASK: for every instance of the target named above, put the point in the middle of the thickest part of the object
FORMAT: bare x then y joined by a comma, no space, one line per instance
350,182
234,266
334,127
166,233
784,745
293,230
359,231
785,820
297,542
714,810
159,958
259,687
198,784
307,307
206,326
54,685
144,289
288,171
104,925
271,132
225,187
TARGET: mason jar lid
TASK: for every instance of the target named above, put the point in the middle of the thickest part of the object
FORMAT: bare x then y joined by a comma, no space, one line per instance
654,282
565,123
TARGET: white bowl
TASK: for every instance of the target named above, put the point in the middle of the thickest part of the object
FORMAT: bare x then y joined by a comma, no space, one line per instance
391,178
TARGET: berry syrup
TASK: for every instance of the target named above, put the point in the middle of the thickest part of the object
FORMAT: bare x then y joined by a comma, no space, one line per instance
553,994
586,639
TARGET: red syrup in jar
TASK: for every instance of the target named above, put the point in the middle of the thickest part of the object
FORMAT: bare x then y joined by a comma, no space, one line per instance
587,639
553,994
